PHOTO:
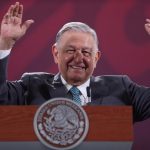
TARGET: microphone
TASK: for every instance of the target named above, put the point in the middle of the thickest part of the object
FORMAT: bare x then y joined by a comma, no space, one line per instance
88,89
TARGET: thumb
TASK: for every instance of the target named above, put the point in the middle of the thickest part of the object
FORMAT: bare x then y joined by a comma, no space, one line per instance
26,25
147,28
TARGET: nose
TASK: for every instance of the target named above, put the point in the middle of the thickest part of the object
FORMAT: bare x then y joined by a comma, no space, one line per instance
78,56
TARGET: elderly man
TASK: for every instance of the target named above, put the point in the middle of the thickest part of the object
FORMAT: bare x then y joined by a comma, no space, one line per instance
76,53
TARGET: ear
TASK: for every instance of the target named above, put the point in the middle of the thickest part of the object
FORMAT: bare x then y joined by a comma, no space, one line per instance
97,57
55,53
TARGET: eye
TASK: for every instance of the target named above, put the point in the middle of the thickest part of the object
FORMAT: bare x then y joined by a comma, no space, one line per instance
86,53
70,51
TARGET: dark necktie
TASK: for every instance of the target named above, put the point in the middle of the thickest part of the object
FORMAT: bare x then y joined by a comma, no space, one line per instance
75,94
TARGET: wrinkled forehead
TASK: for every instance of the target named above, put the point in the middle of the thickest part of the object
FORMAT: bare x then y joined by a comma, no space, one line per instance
77,38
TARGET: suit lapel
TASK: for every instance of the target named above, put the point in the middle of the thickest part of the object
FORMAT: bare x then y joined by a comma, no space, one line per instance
57,89
98,90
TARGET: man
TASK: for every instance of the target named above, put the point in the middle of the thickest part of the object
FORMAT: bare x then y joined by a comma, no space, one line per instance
76,53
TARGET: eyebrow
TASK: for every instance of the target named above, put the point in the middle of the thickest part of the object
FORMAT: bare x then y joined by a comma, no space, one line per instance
84,48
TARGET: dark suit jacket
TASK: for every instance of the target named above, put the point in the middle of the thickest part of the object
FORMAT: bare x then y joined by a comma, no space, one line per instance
36,88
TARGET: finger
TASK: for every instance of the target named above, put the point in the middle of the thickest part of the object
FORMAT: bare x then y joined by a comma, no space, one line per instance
148,20
16,9
11,10
8,15
6,18
147,25
26,25
20,12
147,28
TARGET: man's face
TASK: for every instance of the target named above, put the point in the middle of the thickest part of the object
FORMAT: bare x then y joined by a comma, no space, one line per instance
76,55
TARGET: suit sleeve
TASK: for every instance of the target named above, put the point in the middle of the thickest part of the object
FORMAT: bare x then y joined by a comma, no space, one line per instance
139,98
11,93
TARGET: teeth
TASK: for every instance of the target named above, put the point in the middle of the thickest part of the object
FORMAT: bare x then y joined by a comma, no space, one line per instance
77,67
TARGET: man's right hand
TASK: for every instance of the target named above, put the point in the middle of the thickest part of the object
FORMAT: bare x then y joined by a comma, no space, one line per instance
12,27
147,26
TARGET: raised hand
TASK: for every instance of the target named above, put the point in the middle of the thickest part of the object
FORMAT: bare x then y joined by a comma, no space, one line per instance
147,26
12,27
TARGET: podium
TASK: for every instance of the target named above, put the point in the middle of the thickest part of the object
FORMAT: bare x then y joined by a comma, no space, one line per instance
110,127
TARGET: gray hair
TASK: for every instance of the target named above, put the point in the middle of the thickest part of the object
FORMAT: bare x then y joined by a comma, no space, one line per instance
77,26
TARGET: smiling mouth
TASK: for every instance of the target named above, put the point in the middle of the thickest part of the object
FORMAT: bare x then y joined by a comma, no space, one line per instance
77,67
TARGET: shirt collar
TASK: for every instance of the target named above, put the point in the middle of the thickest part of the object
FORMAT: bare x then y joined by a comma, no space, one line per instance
82,87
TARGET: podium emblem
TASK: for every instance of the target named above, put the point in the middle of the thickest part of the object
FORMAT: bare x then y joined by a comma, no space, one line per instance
61,123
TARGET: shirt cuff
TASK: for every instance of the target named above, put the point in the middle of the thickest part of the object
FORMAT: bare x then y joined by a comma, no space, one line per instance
4,53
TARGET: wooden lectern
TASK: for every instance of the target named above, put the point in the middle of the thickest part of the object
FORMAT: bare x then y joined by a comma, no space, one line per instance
110,128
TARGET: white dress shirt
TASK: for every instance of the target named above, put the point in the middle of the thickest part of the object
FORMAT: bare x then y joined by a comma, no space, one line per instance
83,89
4,53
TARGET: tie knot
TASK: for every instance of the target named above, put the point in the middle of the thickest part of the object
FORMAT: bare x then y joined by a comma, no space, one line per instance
75,90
